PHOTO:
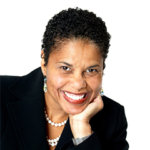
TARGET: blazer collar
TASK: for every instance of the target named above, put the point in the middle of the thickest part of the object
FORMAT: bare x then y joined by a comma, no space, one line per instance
26,110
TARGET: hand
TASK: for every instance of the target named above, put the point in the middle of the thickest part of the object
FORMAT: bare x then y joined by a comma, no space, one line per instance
80,122
94,107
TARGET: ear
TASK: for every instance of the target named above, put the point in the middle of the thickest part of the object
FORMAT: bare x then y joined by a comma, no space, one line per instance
43,67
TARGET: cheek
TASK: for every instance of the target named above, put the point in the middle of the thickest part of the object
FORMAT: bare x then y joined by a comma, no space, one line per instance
96,84
56,81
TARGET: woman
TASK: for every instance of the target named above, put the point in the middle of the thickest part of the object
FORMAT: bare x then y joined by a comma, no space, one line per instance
61,104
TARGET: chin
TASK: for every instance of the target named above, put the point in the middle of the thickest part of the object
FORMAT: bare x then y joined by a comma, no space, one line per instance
74,110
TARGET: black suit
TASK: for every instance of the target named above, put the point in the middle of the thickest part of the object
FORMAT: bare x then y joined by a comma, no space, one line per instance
23,122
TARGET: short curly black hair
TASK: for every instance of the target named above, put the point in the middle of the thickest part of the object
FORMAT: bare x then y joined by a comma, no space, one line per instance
75,23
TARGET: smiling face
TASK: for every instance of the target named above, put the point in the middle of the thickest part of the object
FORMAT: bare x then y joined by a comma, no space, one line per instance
74,75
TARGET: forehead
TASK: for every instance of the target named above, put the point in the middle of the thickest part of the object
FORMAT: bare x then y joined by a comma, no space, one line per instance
77,50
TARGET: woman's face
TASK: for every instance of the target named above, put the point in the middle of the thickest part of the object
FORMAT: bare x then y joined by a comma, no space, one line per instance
74,75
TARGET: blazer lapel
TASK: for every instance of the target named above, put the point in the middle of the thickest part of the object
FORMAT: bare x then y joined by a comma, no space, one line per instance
26,110
66,137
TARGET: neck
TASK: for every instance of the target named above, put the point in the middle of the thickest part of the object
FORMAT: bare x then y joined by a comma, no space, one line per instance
53,109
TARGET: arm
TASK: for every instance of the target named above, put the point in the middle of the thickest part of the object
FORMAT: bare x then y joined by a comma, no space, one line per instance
117,141
80,123
81,127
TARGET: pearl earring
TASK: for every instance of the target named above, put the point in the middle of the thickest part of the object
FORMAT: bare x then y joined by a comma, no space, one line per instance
45,84
102,92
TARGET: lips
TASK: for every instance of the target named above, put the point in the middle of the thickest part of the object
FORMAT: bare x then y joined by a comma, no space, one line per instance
75,98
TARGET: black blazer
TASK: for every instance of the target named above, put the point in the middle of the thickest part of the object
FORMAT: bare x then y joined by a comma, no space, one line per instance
22,120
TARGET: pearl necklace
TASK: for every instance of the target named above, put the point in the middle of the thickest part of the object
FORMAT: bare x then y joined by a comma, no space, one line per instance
53,142
53,123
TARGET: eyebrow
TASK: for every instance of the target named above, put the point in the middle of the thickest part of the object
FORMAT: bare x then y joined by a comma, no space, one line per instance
94,66
72,65
65,63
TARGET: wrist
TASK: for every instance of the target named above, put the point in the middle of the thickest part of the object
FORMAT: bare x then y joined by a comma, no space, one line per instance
77,141
80,129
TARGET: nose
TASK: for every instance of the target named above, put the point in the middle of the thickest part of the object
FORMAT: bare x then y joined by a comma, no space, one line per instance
78,82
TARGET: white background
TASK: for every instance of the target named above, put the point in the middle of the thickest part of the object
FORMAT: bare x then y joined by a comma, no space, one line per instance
127,73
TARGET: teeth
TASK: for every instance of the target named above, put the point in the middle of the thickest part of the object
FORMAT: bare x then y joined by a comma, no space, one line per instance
75,97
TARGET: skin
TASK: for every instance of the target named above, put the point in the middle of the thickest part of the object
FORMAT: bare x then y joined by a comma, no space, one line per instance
70,69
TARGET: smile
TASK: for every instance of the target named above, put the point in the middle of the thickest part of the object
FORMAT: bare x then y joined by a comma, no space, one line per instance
75,98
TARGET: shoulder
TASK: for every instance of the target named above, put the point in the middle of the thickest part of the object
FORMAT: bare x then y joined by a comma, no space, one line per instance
110,120
112,109
110,104
5,82
110,124
111,114
8,80
12,86
16,84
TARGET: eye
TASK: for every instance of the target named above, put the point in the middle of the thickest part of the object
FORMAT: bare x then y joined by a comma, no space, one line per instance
91,70
65,68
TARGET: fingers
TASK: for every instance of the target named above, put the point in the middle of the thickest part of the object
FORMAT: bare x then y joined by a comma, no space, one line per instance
97,95
93,107
99,102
